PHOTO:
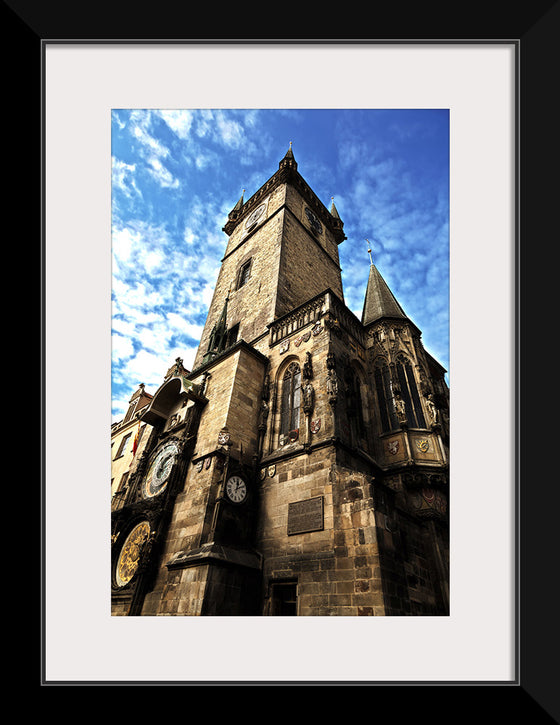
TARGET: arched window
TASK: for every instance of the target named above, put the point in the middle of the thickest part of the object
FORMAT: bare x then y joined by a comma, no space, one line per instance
409,393
355,408
383,387
290,402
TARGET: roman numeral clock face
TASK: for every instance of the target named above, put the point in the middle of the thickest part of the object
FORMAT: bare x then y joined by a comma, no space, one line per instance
236,489
254,217
159,470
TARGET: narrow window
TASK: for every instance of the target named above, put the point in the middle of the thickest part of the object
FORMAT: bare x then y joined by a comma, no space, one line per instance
409,393
123,445
243,274
290,402
355,410
122,483
384,392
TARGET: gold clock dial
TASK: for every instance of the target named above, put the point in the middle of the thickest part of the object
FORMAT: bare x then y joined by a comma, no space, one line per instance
129,557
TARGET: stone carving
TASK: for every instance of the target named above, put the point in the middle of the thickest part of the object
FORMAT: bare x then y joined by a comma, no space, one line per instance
146,549
424,384
433,412
400,410
307,372
332,380
308,397
263,414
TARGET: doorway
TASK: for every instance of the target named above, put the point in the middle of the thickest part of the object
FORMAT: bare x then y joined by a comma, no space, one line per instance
283,599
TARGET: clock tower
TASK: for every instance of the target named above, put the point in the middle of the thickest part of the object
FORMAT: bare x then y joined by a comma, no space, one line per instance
300,467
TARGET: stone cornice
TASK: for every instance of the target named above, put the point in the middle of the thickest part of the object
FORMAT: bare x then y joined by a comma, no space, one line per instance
287,175
239,345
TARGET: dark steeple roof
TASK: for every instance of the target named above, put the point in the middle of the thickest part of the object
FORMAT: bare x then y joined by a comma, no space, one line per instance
289,159
239,204
379,300
333,209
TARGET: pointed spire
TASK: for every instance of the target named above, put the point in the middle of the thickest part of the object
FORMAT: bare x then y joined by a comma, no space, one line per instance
333,209
218,335
379,300
222,322
239,204
337,223
234,215
289,159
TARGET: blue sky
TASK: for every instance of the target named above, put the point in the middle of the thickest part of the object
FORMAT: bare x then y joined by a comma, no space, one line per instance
176,174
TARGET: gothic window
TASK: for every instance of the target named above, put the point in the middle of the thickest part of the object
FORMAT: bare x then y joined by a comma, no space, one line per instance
355,408
384,392
290,402
244,273
409,393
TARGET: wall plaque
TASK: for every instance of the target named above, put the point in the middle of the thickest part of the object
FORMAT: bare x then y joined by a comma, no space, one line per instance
304,516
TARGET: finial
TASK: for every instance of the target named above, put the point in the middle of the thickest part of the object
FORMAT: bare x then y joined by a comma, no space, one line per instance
369,252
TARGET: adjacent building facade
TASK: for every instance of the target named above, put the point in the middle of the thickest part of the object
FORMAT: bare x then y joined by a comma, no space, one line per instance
301,466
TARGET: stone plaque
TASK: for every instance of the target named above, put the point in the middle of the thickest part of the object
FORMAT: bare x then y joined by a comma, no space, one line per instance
304,516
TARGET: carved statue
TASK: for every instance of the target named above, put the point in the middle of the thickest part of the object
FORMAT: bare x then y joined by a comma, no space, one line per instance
263,414
307,367
332,385
308,397
146,548
400,409
432,410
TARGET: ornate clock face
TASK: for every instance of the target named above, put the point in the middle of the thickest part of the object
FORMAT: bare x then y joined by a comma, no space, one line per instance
254,217
129,558
236,489
313,220
159,470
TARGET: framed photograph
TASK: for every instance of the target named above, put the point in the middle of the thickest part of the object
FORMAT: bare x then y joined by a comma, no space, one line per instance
476,83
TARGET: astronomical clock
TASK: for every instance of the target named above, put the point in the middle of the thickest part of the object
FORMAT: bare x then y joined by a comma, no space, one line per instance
157,476
140,526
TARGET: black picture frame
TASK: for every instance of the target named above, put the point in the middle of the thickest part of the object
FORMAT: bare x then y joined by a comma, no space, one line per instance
535,31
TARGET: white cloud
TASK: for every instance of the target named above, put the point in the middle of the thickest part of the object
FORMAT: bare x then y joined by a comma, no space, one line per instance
179,121
161,174
230,132
123,178
140,122
121,348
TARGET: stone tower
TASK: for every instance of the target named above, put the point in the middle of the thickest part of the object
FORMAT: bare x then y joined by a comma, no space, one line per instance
301,467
